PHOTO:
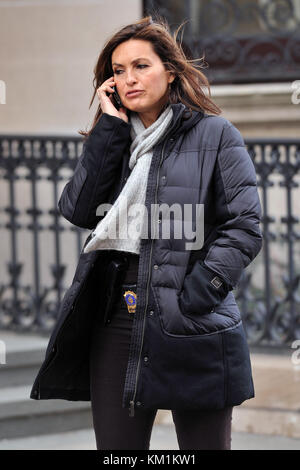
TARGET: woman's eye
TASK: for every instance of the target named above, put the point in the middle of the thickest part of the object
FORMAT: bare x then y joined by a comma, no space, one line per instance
118,71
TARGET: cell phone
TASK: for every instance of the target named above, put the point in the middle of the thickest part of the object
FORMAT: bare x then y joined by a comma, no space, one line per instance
116,98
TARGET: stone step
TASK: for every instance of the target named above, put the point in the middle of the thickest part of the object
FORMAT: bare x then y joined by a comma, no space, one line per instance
22,416
24,354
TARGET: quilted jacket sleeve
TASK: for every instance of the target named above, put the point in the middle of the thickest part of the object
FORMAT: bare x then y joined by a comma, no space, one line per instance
95,171
238,214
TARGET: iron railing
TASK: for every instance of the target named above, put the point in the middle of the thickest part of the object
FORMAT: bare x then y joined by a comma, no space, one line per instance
242,41
40,249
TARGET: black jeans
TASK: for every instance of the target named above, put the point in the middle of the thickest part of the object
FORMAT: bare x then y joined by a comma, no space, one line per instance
114,428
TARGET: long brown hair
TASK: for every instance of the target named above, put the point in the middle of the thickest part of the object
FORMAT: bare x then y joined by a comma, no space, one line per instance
186,88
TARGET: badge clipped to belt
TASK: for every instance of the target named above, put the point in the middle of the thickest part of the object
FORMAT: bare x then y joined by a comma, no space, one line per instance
130,299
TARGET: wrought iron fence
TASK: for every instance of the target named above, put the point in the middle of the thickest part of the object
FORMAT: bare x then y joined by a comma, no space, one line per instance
40,249
241,40
33,273
268,295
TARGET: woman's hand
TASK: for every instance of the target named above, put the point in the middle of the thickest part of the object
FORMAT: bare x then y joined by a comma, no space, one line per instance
106,102
199,294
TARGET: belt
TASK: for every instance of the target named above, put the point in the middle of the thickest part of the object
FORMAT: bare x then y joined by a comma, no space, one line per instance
128,293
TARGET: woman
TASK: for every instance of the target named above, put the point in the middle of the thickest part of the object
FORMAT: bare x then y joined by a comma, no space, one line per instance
150,321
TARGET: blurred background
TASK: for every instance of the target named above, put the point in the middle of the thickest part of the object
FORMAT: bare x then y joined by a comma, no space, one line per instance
48,50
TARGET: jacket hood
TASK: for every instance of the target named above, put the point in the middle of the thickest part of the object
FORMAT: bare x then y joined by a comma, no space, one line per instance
184,118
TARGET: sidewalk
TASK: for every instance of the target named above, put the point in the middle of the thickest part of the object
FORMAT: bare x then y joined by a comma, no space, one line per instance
163,438
275,410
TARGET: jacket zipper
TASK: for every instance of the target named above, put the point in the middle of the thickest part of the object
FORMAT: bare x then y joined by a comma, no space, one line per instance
131,408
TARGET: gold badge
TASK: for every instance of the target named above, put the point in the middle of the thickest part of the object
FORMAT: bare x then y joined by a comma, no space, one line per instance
130,299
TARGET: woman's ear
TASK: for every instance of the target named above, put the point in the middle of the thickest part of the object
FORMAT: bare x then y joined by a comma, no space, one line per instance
171,77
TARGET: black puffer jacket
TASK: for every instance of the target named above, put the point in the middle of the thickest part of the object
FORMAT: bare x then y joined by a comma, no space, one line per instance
188,348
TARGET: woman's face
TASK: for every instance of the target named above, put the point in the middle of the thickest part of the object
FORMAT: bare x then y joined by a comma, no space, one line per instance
137,67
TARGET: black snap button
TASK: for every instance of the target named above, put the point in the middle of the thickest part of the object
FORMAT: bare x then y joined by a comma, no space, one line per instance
151,312
35,392
172,139
155,266
53,349
138,403
146,358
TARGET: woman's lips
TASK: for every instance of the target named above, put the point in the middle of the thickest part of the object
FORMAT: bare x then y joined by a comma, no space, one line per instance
134,94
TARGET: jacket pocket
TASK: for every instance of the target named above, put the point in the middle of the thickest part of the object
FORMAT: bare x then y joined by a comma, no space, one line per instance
175,322
116,271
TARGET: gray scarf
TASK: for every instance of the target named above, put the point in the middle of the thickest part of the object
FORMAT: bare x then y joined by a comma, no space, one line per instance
123,225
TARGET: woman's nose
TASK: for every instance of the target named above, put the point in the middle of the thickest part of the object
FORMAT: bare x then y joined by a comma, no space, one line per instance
130,78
